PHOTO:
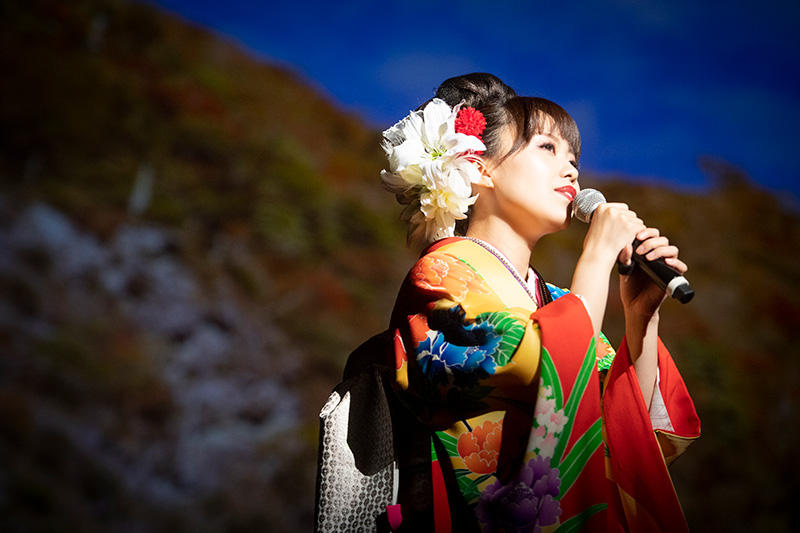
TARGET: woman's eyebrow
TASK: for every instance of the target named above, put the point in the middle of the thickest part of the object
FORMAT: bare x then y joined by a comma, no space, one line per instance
551,135
555,137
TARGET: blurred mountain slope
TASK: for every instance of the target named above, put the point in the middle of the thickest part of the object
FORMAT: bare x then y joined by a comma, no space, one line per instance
194,239
111,110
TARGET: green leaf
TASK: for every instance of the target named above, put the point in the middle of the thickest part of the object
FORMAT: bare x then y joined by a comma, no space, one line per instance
462,476
605,362
550,377
571,408
469,487
577,522
510,330
577,457
449,442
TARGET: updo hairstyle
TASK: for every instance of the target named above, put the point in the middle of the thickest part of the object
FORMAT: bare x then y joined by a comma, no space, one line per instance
523,116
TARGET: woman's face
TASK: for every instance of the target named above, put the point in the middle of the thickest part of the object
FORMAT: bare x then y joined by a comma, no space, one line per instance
534,188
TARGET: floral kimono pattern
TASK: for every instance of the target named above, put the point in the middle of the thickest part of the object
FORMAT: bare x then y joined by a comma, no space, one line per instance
514,396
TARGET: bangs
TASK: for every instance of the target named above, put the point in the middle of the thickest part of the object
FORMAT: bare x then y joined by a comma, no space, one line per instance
532,116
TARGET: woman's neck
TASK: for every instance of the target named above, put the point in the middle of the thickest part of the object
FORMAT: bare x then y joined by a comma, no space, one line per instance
511,244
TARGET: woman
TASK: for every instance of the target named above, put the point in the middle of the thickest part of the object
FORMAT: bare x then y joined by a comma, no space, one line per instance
511,415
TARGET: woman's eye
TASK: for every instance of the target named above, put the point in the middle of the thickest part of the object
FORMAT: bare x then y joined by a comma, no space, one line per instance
550,147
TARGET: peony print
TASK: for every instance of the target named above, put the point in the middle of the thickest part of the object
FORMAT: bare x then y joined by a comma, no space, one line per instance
525,504
445,363
444,272
480,448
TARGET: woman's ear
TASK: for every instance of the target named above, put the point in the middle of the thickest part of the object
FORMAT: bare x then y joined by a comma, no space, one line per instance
485,179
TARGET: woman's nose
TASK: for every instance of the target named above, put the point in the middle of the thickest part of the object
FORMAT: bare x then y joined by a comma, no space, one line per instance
570,172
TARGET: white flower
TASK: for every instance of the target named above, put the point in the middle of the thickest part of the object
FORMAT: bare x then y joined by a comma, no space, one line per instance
548,422
444,201
432,166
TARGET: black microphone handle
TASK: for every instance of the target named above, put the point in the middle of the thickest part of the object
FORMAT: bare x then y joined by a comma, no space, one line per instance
667,278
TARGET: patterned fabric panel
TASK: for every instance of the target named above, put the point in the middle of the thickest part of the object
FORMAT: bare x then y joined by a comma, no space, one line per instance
347,500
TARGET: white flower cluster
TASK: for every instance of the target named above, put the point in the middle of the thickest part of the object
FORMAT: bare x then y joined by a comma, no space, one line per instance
431,169
548,423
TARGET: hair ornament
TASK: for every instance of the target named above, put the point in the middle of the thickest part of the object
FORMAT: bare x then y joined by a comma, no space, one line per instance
431,155
470,121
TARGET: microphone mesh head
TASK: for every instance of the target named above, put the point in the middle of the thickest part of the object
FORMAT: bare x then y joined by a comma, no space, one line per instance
586,202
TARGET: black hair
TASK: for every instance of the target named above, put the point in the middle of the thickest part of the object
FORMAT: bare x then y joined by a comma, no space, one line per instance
523,116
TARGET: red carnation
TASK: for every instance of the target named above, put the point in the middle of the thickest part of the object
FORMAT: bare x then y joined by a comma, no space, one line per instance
470,121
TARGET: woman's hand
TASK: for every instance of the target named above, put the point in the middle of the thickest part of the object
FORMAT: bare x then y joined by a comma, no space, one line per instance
614,227
640,296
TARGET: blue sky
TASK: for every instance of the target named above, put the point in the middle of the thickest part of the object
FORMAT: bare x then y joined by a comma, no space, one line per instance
653,85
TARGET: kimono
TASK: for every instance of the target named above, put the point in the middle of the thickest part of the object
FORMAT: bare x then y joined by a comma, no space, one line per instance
532,426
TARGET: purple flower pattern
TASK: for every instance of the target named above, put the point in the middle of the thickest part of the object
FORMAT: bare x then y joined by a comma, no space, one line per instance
525,504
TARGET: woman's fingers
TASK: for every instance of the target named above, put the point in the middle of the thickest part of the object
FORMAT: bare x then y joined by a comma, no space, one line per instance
626,255
677,264
655,246
624,222
649,244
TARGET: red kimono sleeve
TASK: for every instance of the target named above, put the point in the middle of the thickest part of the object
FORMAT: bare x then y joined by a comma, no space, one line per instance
638,455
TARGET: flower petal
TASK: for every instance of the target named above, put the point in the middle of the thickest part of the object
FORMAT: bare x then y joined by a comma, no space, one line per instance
411,152
435,116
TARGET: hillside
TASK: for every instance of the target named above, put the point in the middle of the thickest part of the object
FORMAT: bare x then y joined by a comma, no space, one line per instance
193,240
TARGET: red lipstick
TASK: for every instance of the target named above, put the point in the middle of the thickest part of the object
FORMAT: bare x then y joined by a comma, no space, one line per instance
568,191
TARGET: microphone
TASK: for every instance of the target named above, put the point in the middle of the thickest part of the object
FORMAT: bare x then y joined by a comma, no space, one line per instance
663,275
